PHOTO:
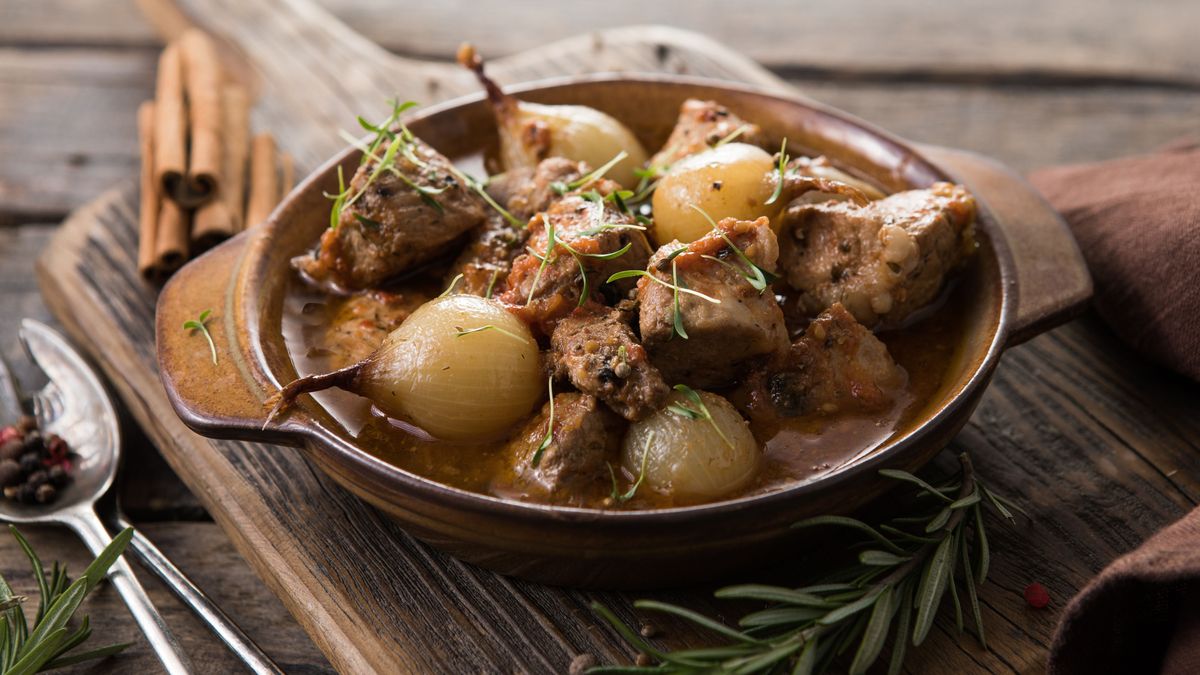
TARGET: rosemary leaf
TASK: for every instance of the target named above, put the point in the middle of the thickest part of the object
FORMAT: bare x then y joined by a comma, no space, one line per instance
808,658
969,500
910,478
981,541
781,616
900,641
849,609
933,586
939,521
859,525
696,618
875,634
880,558
972,597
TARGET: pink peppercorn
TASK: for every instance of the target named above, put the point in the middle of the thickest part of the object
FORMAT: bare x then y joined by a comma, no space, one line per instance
1036,595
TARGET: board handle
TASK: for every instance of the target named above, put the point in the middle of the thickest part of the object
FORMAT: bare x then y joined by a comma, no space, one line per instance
216,388
1052,282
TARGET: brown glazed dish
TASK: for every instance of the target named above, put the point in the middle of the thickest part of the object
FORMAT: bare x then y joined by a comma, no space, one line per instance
1027,276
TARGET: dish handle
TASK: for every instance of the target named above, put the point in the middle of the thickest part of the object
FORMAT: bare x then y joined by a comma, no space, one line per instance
216,389
1052,285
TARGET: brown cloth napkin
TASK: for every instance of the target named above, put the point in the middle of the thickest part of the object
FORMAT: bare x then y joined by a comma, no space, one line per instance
1137,221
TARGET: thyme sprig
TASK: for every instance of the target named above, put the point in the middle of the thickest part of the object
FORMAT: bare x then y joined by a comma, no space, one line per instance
892,592
200,323
756,276
586,180
622,497
49,642
549,437
698,412
780,168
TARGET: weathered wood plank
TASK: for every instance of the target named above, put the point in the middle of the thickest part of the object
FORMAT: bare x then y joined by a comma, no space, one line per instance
68,157
974,38
203,552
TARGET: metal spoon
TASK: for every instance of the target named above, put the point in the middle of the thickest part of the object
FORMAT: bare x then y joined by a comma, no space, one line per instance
74,405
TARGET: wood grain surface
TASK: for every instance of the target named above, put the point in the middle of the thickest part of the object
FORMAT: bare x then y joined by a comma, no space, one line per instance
1100,444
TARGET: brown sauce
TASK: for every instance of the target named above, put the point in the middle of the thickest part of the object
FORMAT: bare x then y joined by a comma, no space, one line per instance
324,331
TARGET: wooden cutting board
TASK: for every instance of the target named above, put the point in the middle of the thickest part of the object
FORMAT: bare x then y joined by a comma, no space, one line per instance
373,598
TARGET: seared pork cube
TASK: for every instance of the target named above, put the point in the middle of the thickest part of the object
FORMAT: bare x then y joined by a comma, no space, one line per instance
585,438
526,191
392,221
592,238
836,366
883,260
596,350
488,256
701,125
724,332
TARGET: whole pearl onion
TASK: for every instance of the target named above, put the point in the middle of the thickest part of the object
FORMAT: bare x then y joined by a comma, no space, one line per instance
455,382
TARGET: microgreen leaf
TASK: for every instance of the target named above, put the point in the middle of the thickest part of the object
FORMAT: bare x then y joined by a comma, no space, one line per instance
699,411
199,324
586,180
621,498
460,332
783,160
756,276
450,288
537,455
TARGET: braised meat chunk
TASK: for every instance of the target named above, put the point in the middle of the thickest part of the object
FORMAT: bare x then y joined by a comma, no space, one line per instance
585,438
701,125
837,366
596,350
488,256
884,260
526,191
394,218
574,246
734,324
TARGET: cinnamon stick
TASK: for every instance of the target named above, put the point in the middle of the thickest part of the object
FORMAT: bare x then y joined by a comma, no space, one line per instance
148,205
202,85
171,240
222,218
264,180
170,124
289,175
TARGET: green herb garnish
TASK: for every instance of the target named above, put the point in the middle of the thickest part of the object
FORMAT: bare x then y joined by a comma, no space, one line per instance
586,180
732,135
537,455
198,324
619,497
675,286
699,412
49,642
891,591
604,227
491,284
459,331
756,276
553,242
783,160
479,189
453,282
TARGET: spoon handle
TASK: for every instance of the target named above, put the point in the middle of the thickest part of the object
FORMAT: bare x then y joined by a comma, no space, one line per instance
88,526
220,623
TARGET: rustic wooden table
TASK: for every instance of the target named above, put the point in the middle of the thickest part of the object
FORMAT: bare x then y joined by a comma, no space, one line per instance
1026,83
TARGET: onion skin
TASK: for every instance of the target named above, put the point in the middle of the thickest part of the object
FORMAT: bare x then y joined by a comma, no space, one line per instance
731,181
455,382
687,458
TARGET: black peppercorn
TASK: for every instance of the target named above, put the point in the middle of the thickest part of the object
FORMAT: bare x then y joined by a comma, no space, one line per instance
26,494
12,448
30,462
34,442
10,472
45,493
58,476
37,478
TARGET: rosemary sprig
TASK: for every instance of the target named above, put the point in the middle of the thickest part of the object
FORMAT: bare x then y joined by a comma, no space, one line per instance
892,591
584,181
783,160
622,497
756,276
48,643
199,324
699,412
549,438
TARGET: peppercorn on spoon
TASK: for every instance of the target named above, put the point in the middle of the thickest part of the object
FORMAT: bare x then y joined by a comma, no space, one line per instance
75,406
